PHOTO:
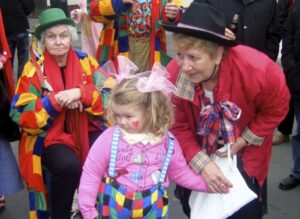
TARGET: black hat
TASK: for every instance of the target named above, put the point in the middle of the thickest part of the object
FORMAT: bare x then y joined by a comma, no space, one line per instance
202,21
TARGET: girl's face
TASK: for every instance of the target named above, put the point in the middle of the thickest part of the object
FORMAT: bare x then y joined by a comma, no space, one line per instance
197,64
130,118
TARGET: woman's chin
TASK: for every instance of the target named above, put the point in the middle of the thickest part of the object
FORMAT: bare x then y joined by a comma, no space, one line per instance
195,80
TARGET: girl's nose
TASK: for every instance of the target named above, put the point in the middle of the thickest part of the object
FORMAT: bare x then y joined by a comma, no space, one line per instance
121,121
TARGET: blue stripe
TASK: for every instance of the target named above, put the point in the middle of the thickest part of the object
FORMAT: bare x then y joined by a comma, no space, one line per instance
113,152
31,201
48,106
168,158
38,146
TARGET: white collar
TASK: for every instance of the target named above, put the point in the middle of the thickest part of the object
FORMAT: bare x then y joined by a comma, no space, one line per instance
144,138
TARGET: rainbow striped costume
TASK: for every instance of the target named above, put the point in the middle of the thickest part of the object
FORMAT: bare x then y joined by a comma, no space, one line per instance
33,111
114,37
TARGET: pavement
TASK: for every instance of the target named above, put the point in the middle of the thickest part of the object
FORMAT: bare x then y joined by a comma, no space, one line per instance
281,204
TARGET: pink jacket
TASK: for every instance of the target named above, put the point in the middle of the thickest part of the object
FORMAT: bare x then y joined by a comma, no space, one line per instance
136,166
257,85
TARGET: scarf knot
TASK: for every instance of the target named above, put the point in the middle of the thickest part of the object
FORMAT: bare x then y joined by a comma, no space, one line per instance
218,119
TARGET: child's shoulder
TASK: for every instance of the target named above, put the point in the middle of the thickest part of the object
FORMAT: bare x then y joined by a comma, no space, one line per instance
109,131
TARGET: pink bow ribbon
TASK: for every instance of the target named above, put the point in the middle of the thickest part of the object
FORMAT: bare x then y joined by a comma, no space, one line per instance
149,81
157,81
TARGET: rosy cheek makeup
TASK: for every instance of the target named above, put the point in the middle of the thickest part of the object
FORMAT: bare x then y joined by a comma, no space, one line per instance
135,124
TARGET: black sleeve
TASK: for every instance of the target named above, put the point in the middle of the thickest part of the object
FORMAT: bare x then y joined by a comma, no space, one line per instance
283,11
288,54
4,101
273,36
28,6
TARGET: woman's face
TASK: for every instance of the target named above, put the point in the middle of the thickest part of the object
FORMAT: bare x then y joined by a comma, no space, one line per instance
58,40
198,64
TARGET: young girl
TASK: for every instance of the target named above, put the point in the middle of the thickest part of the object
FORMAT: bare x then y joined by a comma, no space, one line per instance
130,164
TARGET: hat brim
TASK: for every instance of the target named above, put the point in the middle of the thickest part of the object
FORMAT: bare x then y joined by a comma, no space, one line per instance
199,34
40,28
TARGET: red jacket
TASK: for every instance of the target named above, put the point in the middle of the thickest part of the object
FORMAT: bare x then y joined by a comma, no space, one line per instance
257,85
4,48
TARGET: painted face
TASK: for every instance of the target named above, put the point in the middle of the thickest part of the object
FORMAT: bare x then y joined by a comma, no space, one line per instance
130,119
58,40
197,64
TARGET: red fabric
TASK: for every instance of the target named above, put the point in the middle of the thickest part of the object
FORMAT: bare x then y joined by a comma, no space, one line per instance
77,122
7,66
254,83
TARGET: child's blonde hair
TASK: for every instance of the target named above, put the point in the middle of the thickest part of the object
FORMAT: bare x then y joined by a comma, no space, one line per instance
161,112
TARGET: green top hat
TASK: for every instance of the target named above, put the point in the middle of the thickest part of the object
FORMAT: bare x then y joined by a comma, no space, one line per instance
49,18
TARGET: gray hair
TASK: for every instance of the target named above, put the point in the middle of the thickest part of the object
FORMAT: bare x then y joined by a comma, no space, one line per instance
72,31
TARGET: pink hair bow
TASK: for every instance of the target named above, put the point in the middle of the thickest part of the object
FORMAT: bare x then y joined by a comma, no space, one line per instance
154,80
126,69
157,81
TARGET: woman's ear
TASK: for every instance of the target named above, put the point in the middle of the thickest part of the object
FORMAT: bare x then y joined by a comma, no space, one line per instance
219,56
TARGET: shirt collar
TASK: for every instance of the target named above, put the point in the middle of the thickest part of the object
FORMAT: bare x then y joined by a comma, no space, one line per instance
185,88
144,138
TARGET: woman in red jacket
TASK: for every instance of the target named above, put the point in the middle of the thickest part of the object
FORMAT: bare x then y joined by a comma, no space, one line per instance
216,77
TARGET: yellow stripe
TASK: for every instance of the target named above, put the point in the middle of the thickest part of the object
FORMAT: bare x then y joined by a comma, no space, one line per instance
106,8
41,117
36,166
85,66
29,143
32,214
25,98
156,56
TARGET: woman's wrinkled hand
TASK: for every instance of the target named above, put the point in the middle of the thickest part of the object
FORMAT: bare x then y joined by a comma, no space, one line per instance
171,10
234,148
64,98
215,179
75,105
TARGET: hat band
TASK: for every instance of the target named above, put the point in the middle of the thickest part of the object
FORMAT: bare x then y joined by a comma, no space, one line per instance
200,29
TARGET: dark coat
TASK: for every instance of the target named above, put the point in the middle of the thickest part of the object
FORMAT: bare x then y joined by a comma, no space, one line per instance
291,50
284,9
8,129
15,14
258,23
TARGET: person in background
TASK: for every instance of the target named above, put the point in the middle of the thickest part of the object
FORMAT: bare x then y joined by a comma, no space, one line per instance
90,30
132,29
62,4
257,23
10,179
214,77
59,104
131,163
285,128
291,64
16,26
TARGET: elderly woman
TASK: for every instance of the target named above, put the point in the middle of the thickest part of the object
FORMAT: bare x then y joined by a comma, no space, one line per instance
58,104
211,71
